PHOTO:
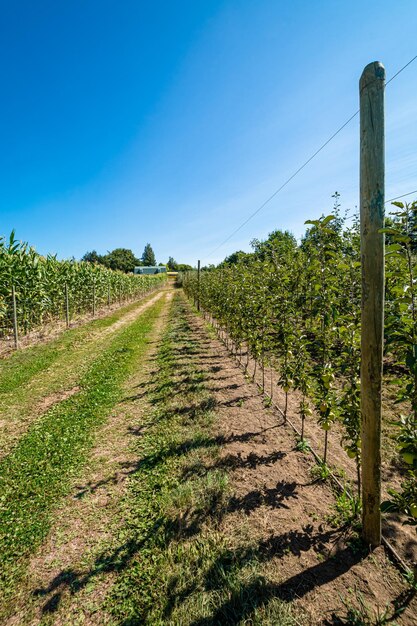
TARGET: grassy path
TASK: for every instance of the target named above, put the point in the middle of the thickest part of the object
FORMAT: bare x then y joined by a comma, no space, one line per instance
34,379
37,473
184,502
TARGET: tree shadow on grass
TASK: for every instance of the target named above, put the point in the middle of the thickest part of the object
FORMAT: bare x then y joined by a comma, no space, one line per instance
202,441
233,461
242,600
274,498
106,563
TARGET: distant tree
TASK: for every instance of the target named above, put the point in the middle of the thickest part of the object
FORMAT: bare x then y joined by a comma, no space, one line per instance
172,264
183,267
92,257
121,259
235,257
279,242
148,256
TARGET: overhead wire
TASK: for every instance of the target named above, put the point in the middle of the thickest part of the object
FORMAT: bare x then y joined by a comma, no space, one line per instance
288,180
410,193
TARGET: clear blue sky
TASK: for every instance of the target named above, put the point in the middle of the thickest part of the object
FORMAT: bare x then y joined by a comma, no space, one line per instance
124,121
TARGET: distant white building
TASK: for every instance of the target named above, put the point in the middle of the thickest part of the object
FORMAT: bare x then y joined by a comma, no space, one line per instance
150,269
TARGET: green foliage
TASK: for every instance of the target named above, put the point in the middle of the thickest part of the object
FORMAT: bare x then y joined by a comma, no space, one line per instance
172,264
321,471
121,259
402,340
347,511
236,257
93,257
148,256
40,286
297,307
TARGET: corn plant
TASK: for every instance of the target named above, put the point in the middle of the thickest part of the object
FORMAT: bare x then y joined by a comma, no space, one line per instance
41,282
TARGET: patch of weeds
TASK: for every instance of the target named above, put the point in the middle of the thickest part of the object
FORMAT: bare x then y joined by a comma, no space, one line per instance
346,511
38,472
361,614
320,471
303,446
357,545
275,613
267,402
411,579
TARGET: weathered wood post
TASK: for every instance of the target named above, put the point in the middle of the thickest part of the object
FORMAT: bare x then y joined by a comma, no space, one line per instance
15,326
108,295
372,174
198,285
67,313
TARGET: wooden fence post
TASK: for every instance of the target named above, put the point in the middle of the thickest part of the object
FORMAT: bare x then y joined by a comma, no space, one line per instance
108,295
94,299
67,314
198,285
372,174
15,327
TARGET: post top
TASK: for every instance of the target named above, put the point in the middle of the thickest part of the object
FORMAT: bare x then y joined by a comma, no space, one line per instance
373,71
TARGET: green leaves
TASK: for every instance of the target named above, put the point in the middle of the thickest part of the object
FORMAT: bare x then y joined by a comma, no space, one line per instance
298,307
40,286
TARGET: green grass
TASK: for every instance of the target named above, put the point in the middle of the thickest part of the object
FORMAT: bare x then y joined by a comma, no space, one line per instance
176,563
20,366
38,473
46,371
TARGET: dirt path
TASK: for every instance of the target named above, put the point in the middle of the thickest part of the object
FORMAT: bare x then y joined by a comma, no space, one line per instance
20,408
90,517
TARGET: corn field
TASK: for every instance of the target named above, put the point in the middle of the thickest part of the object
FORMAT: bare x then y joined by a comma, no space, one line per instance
43,286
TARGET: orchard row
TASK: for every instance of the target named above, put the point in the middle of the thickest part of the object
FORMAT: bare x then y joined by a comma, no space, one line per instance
296,308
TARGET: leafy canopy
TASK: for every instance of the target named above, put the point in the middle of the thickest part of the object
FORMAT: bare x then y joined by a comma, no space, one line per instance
148,256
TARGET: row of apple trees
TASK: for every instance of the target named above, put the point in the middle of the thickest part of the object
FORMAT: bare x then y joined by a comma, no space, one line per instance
41,284
296,307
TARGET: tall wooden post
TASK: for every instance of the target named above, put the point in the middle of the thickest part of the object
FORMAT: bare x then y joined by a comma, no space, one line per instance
67,314
15,326
372,189
198,285
94,300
